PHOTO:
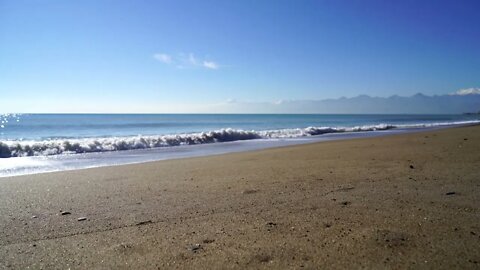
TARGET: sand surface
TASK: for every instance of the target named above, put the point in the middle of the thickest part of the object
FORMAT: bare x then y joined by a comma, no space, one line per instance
402,201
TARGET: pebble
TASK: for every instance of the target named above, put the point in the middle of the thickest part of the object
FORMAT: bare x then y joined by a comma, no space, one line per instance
195,247
450,193
65,213
82,218
345,203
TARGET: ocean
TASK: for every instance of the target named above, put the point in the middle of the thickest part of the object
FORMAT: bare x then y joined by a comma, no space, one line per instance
34,143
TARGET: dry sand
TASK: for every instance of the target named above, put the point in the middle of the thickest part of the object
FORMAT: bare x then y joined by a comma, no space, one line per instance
402,201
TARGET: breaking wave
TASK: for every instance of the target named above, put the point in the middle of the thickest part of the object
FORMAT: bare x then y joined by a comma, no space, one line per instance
89,145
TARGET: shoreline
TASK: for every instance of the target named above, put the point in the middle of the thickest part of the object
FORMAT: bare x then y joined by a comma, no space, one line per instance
58,163
401,201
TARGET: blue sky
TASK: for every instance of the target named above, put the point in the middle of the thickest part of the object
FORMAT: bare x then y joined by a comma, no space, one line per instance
184,56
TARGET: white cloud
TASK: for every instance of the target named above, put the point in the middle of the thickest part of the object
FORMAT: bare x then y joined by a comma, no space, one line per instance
467,91
164,58
210,64
185,61
192,60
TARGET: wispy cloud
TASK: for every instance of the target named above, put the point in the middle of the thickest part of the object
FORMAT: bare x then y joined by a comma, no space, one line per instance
183,61
164,58
192,60
231,100
467,91
210,64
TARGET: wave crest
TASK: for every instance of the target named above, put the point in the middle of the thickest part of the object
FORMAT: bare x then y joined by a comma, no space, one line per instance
75,146
55,147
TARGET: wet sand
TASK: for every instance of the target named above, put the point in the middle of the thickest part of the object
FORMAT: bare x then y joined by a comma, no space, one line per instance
401,201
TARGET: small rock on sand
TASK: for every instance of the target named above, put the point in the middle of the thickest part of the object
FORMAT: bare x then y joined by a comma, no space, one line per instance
345,203
82,218
451,193
411,167
195,247
64,213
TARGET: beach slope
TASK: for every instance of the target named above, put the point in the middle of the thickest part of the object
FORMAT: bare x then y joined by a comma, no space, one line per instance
402,201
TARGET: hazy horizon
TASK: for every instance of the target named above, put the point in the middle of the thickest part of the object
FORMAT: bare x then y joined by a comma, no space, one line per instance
461,101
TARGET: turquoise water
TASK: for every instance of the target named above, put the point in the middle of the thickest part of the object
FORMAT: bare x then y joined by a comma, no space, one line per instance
55,134
38,143
43,127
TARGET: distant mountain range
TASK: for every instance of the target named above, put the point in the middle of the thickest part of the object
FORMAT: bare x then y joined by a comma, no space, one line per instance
456,103
418,103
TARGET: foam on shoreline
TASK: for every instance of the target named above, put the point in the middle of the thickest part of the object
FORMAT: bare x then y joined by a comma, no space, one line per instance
88,145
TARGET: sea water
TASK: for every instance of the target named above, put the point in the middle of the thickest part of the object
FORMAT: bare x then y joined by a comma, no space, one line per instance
33,143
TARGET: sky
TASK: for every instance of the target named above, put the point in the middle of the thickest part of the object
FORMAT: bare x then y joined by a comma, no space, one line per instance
189,56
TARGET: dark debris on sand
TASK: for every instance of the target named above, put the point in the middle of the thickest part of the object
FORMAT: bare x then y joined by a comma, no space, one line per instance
144,222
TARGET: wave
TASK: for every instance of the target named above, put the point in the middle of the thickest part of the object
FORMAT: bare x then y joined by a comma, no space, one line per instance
88,145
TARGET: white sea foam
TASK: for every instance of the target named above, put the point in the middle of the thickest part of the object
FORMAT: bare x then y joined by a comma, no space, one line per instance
88,145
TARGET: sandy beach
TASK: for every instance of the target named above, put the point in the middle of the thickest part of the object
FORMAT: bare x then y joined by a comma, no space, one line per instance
397,202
